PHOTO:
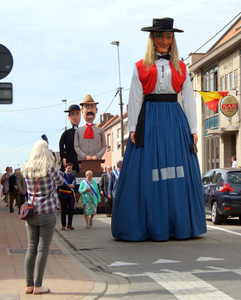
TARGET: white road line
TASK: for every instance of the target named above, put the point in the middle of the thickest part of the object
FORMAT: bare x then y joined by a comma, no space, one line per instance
225,230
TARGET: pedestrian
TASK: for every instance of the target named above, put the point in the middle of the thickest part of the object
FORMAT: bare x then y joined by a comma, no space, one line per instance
14,190
234,162
91,196
159,191
114,176
67,196
40,228
5,183
104,180
22,189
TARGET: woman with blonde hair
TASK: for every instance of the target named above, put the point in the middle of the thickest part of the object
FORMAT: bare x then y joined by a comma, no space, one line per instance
91,196
41,173
159,191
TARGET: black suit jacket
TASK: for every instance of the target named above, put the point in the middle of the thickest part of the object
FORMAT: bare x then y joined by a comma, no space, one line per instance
104,181
66,149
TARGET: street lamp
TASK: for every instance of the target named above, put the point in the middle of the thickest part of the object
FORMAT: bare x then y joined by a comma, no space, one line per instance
119,90
65,114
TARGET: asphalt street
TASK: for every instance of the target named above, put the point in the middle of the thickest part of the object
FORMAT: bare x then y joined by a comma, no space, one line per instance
206,267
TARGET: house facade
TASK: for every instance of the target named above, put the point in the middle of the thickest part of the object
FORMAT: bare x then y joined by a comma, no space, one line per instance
218,70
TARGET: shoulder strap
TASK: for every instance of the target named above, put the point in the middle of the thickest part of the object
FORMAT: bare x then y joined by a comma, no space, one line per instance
35,191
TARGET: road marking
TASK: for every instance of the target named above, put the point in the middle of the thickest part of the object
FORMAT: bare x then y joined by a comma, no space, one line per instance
225,230
185,285
121,264
208,258
166,261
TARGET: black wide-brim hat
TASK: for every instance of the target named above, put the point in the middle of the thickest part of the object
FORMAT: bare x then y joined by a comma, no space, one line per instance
162,25
73,107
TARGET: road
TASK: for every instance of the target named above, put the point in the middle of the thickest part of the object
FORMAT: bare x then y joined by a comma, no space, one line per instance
206,267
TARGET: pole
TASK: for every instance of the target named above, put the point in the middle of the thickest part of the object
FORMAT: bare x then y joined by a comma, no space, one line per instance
121,103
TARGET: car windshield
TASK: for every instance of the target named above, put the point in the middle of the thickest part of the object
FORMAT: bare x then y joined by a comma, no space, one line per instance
234,177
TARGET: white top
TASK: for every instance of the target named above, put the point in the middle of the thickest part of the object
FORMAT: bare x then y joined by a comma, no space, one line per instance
163,86
234,164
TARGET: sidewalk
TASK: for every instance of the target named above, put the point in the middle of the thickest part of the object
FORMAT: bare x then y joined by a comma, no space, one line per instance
64,275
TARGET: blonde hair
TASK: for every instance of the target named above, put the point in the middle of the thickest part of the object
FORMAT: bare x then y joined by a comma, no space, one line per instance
40,162
151,56
88,172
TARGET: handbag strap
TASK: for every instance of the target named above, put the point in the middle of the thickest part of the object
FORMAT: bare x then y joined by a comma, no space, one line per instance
35,191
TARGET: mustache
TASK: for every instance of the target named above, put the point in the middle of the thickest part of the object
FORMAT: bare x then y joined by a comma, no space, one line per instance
90,113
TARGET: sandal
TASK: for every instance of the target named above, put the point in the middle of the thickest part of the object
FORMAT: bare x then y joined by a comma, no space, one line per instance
29,290
91,223
88,226
41,290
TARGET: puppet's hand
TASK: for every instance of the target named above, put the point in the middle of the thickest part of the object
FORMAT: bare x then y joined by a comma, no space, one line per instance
195,137
94,157
132,137
88,157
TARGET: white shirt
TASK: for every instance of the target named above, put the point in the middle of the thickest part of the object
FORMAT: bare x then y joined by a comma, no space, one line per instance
163,86
234,164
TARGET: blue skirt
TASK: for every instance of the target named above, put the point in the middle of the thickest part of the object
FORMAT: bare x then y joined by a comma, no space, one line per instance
159,191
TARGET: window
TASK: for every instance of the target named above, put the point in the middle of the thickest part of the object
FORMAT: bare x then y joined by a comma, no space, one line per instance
108,142
211,153
235,78
210,79
118,138
231,83
226,83
222,84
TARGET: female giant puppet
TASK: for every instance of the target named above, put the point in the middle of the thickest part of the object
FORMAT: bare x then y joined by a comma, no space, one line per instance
159,192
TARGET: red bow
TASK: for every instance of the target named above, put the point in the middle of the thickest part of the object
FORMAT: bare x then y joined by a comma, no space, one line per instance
89,133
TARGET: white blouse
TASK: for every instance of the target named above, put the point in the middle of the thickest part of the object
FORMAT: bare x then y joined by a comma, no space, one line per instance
163,86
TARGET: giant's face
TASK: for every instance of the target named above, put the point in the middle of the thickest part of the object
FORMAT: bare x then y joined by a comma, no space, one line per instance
163,41
89,112
74,117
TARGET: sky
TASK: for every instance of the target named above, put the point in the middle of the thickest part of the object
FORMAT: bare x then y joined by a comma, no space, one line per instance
61,51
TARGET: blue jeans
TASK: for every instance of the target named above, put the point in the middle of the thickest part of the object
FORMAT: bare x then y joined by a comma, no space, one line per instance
40,230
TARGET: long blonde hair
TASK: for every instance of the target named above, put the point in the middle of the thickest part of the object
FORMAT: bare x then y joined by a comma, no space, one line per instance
40,161
151,56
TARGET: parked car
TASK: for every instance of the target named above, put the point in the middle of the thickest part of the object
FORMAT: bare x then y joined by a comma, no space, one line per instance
222,193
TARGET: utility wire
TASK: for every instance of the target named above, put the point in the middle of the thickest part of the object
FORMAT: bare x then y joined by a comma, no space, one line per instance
47,106
31,142
30,131
213,36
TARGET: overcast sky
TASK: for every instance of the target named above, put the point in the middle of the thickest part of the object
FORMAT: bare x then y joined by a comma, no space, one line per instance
61,50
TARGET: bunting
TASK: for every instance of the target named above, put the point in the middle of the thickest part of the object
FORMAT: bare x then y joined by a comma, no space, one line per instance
211,98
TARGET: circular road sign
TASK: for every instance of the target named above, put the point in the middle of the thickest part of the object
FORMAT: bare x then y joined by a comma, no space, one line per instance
229,106
6,61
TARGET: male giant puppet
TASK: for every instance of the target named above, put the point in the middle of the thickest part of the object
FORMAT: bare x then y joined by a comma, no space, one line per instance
66,143
89,141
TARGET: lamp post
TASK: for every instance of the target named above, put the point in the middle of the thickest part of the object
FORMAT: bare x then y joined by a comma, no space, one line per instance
116,43
65,101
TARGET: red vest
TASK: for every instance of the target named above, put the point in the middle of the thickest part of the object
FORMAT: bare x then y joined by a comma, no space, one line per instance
148,77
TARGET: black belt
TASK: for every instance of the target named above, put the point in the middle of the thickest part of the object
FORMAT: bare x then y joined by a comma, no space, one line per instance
140,127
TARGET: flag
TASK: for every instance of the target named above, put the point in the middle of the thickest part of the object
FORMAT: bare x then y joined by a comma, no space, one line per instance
211,98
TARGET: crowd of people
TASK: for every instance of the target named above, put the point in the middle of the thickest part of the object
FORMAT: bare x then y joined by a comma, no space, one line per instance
14,188
157,190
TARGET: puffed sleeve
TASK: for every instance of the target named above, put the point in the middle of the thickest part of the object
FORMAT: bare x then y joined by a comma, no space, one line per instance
189,105
135,100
